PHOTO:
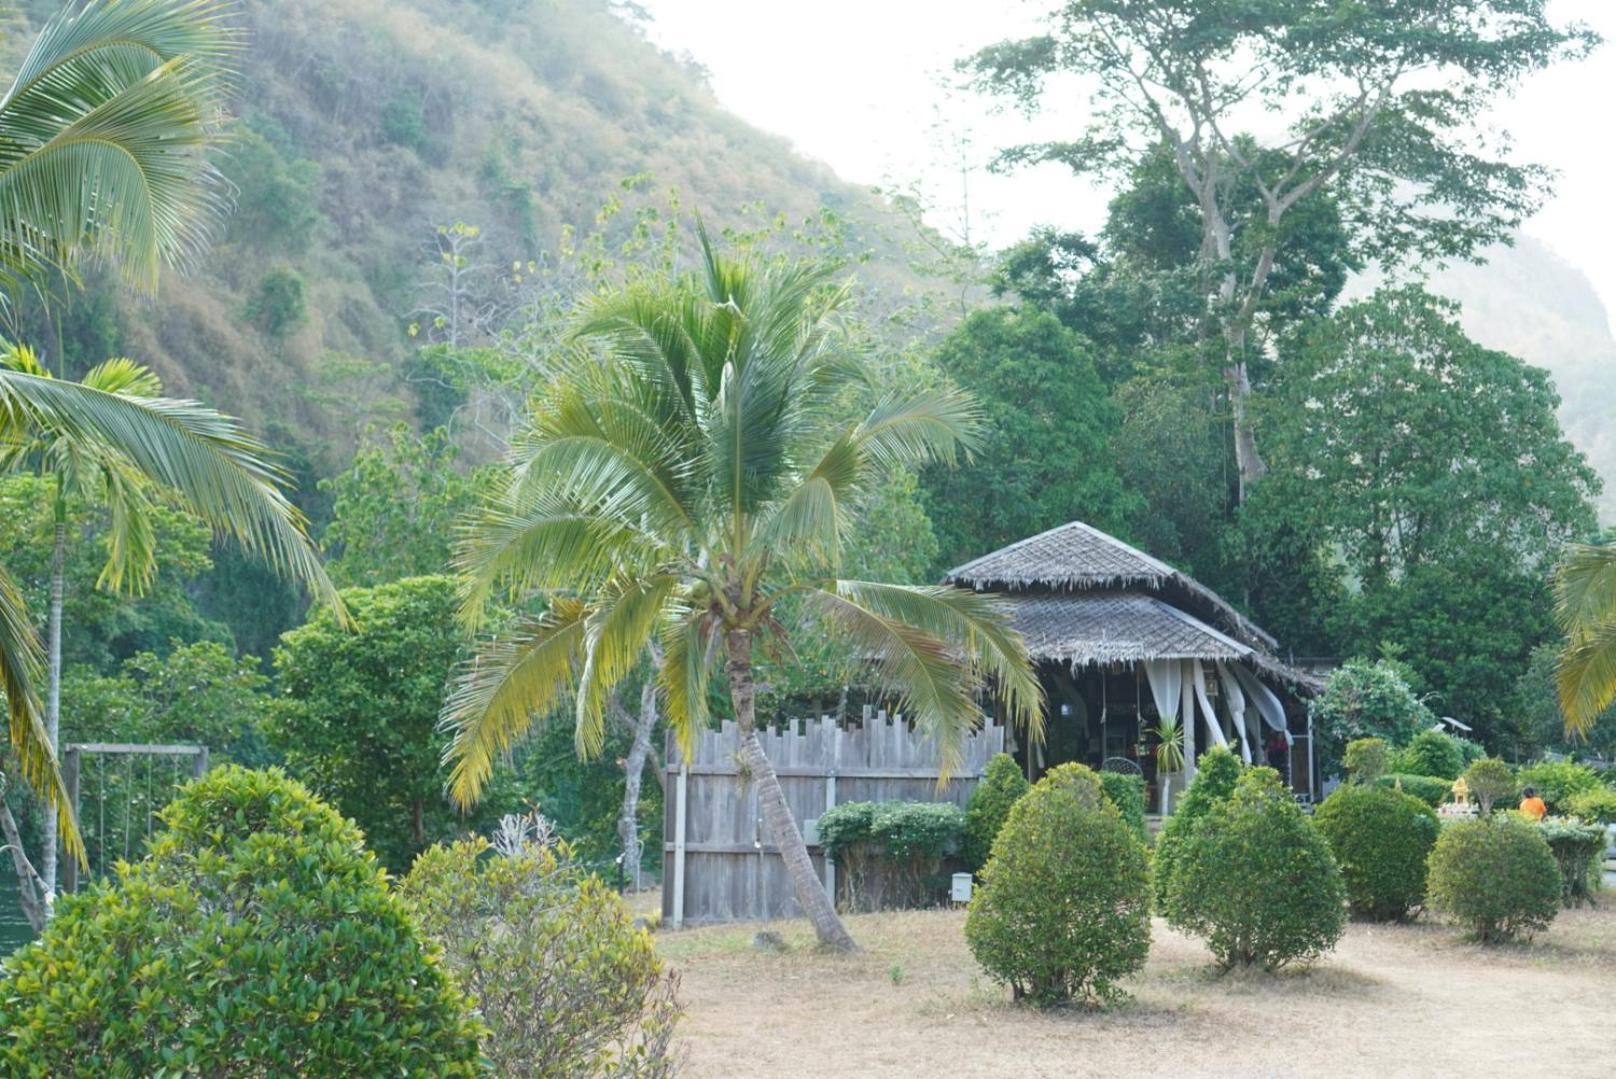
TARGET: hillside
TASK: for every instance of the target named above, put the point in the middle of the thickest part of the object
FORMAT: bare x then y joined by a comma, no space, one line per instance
365,125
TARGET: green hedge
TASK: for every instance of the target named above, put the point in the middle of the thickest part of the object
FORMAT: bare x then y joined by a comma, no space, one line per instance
1428,789
1063,911
1594,805
988,808
1557,782
1127,793
1578,849
891,853
1381,840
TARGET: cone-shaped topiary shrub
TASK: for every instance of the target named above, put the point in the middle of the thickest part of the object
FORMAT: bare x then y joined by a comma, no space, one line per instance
1063,910
1496,876
1214,783
257,938
1381,839
1256,879
990,804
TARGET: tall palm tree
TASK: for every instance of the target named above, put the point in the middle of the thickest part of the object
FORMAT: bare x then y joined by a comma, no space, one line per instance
1585,594
686,471
113,438
104,141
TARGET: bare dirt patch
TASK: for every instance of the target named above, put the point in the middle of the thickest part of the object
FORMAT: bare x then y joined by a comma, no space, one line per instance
1391,1001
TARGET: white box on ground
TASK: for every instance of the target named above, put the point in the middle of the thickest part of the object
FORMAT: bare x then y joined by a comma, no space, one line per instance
961,892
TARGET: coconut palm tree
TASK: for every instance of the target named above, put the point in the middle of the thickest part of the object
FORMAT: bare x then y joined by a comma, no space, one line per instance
1585,594
104,141
686,471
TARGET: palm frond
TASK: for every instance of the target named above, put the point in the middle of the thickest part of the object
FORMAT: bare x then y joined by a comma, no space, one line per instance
919,430
506,683
104,137
615,636
1586,677
1585,586
217,471
688,642
21,659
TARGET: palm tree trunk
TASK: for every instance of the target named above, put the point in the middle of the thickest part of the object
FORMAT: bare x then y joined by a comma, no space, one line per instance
628,823
782,825
53,695
30,888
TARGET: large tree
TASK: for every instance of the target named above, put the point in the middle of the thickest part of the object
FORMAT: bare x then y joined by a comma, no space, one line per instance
682,478
1431,478
105,134
1265,104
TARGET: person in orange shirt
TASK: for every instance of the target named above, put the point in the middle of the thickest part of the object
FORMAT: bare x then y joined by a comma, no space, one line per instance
1531,805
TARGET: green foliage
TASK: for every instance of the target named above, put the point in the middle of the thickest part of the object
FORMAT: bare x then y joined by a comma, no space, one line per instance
890,852
566,983
402,122
258,937
1594,805
277,200
1381,840
1063,912
1366,700
394,509
1431,753
1557,782
1219,771
357,715
1044,408
1127,793
1256,879
1540,725
989,807
1498,877
278,306
1577,848
1365,759
1428,789
1490,782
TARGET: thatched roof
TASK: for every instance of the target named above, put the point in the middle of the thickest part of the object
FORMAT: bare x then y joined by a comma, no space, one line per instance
1079,557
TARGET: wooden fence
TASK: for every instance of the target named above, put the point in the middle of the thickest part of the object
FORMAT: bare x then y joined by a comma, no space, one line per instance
720,866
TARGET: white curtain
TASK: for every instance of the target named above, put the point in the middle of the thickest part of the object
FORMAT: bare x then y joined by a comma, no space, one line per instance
1198,679
1166,682
1268,706
1234,698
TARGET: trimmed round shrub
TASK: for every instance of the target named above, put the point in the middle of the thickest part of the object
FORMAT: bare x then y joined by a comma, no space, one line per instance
1431,753
1127,793
1557,782
1381,839
1576,847
258,937
892,852
1366,759
1218,771
988,807
1594,805
1490,782
1428,789
1063,911
1497,877
1256,880
566,983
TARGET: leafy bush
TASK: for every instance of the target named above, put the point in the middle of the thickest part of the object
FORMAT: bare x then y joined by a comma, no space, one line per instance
1381,839
1214,782
1490,783
1557,782
1063,910
1256,879
1431,753
1366,700
1496,876
1428,789
1127,793
257,938
990,804
1366,759
550,955
890,852
1577,851
1594,805
1470,751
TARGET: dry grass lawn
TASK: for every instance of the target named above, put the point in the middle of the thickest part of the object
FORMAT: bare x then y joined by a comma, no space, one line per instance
1391,1001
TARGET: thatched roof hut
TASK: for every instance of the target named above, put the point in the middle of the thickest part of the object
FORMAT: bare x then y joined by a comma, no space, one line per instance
1099,614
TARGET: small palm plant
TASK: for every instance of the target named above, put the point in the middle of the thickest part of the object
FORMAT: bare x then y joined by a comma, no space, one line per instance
1169,736
1585,594
686,472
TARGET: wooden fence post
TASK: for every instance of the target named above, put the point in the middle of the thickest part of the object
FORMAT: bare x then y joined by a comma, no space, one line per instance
70,776
681,789
830,802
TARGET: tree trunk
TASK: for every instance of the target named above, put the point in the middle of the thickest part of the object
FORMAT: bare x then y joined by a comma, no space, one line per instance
30,888
628,823
53,697
810,892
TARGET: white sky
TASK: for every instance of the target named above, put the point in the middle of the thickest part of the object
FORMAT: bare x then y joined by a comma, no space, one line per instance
858,84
